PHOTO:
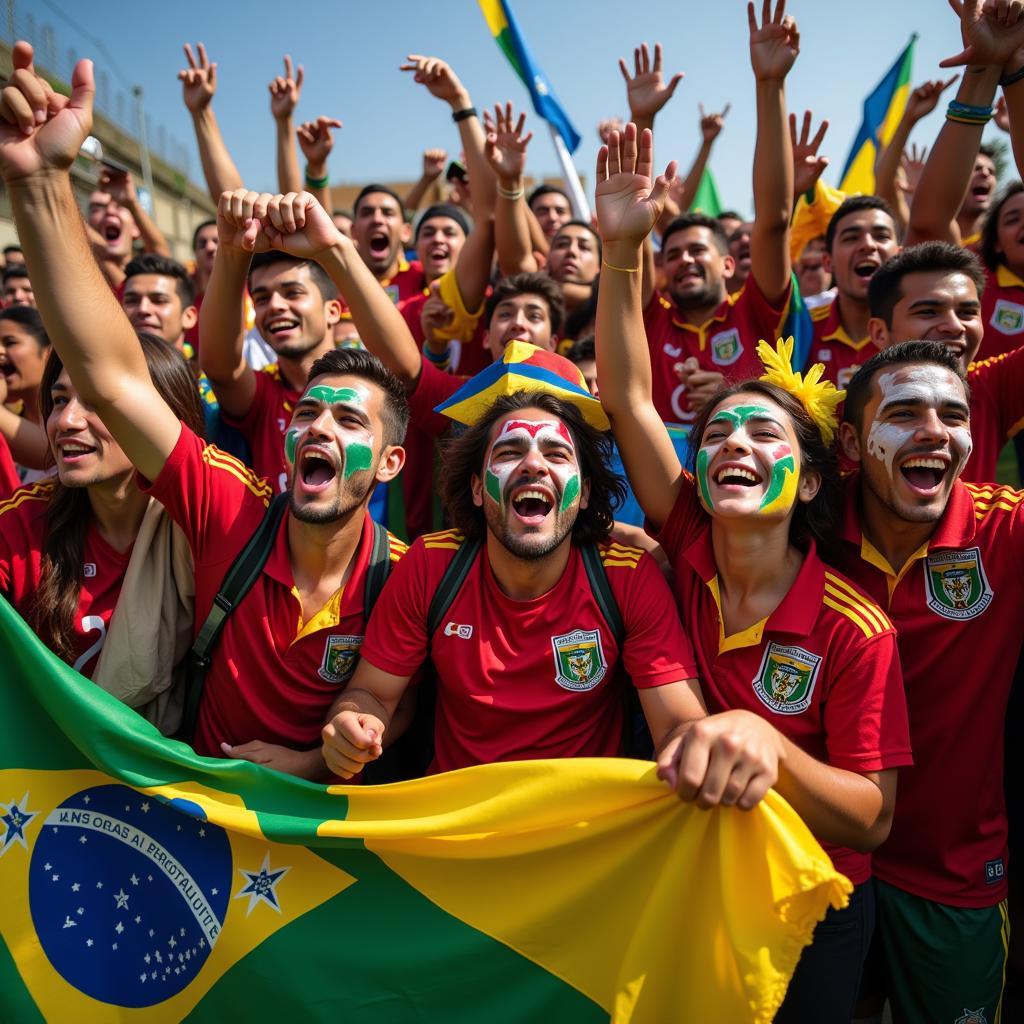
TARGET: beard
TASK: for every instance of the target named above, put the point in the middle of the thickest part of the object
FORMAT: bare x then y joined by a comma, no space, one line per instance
529,547
351,498
708,294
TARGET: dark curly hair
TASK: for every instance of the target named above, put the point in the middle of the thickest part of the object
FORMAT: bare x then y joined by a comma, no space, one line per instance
464,458
814,519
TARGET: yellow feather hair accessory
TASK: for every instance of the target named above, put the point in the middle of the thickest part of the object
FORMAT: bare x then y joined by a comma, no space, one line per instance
819,397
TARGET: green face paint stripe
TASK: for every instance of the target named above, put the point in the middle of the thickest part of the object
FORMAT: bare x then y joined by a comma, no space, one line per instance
290,441
323,393
357,457
783,470
740,414
571,492
702,477
493,487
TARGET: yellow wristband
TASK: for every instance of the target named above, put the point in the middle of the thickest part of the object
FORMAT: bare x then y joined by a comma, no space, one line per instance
622,270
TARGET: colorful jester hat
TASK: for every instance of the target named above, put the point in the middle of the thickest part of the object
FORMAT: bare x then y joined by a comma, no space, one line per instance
819,397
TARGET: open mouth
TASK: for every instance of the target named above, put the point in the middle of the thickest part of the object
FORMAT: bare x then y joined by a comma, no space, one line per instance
111,230
690,276
924,474
866,269
981,192
736,476
8,370
316,471
380,244
439,254
281,326
532,505
72,452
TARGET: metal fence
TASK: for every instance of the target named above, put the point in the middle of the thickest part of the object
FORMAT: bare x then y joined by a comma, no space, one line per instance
116,98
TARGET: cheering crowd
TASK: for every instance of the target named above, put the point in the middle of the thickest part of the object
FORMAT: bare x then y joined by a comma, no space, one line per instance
367,494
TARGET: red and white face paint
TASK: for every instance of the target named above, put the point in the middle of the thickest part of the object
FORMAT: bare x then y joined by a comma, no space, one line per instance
531,485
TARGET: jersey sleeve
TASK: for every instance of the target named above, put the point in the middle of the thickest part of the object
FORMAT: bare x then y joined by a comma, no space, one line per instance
9,481
213,498
396,635
865,713
434,387
765,318
464,321
685,521
1001,381
655,650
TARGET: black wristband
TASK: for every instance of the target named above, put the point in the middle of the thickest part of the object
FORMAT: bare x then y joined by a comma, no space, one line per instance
461,115
1012,79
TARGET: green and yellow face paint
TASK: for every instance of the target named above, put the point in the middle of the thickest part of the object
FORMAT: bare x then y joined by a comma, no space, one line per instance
777,456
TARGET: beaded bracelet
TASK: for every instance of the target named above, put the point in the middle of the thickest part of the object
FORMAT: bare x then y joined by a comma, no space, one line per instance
964,113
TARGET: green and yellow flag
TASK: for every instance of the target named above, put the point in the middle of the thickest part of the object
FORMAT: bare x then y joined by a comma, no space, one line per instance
706,198
882,112
142,882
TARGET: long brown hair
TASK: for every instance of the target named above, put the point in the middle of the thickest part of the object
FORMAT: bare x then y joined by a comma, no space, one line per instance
69,512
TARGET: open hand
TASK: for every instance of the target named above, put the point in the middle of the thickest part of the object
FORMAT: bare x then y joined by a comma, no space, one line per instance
922,101
991,31
505,147
807,165
40,130
305,764
774,44
627,202
646,89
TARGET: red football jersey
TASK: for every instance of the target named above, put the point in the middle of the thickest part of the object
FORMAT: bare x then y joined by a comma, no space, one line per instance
840,354
9,480
528,679
273,676
22,527
956,607
997,411
434,387
725,343
1002,309
822,668
263,426
407,281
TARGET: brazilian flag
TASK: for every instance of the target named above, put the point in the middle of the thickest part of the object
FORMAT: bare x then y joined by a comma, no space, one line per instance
144,883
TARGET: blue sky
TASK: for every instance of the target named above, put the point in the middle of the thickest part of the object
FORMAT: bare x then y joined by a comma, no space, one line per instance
351,52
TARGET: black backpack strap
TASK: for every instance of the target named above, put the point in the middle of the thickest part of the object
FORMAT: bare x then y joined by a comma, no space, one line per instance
237,582
378,569
603,592
450,584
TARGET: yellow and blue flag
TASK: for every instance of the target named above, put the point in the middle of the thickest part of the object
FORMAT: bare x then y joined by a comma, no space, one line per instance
143,883
505,29
882,112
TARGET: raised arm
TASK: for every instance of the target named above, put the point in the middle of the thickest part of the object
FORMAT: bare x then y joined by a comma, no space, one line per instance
505,150
434,161
25,439
774,45
316,141
442,81
284,98
41,133
808,166
628,204
947,173
711,125
222,316
1010,111
920,103
199,83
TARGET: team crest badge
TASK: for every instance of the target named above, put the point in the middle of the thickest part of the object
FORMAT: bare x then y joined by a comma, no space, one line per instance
726,347
1008,317
340,656
957,585
972,1017
579,659
785,681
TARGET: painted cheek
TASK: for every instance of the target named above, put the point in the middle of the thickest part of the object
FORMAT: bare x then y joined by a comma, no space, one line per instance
885,440
782,487
961,444
703,459
291,442
570,492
